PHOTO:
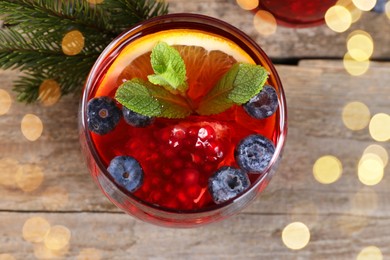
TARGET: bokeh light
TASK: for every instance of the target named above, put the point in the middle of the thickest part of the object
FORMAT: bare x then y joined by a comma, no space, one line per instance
54,198
89,253
29,178
364,5
338,18
35,229
370,253
356,115
378,150
32,127
380,127
387,9
354,67
73,43
360,45
9,169
49,92
5,102
327,169
296,235
57,238
248,4
44,253
264,23
370,170
355,12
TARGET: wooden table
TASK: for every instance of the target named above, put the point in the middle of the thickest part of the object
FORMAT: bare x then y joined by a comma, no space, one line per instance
343,217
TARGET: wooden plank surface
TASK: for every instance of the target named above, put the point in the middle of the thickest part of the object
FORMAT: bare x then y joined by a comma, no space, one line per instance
343,217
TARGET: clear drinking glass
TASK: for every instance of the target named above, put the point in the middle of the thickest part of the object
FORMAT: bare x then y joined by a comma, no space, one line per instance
152,212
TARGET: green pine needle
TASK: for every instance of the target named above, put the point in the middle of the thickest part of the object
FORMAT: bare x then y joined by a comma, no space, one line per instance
32,32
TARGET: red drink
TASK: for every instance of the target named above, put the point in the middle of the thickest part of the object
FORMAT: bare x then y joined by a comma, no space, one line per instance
297,13
179,156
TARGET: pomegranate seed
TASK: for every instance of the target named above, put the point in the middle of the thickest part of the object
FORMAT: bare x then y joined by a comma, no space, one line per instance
191,176
206,133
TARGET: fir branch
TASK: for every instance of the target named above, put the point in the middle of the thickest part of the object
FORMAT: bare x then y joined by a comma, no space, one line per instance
30,39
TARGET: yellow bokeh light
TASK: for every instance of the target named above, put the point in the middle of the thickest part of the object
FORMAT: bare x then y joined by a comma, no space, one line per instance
5,102
73,43
89,253
387,9
54,198
264,23
364,5
356,13
49,92
296,235
338,18
356,115
370,253
327,169
370,170
35,229
378,150
354,67
360,45
248,4
380,127
32,127
42,252
9,169
57,238
29,178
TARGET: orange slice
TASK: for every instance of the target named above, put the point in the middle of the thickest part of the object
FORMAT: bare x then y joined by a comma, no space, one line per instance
207,57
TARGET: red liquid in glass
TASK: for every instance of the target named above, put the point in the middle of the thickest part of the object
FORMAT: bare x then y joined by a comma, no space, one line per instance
179,155
297,13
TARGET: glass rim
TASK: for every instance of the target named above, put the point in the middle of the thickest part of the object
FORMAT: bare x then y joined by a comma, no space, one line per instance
190,18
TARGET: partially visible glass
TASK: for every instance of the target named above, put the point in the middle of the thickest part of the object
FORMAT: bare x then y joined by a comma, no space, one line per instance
297,13
151,212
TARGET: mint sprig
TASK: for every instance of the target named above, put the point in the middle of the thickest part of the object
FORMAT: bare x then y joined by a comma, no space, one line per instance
169,68
165,93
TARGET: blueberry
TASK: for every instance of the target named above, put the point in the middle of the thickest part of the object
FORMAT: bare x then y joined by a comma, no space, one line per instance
226,183
135,119
126,172
254,153
264,104
102,115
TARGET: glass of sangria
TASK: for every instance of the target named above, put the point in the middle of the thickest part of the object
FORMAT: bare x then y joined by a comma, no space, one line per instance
297,13
192,152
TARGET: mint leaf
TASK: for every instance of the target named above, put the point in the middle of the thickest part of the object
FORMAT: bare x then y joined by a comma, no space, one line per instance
249,81
169,68
237,86
151,100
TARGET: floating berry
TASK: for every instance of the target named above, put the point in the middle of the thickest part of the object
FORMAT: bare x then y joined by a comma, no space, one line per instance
135,119
126,172
226,183
254,153
102,115
263,104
